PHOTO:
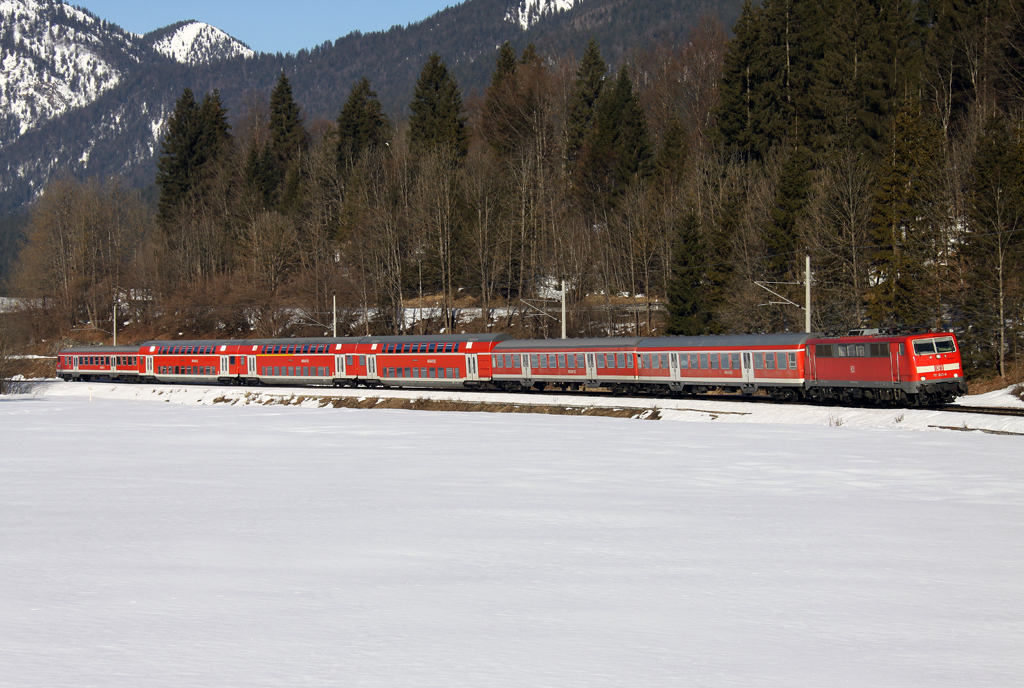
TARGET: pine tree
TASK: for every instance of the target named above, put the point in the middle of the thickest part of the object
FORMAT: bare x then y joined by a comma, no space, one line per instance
501,119
583,104
260,175
994,246
197,135
903,222
437,121
688,309
362,124
287,134
734,114
781,239
618,149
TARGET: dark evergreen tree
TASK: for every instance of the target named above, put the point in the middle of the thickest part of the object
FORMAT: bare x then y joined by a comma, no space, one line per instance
904,223
437,121
734,114
618,149
781,238
287,135
994,247
180,156
689,312
260,175
503,112
583,104
670,162
362,124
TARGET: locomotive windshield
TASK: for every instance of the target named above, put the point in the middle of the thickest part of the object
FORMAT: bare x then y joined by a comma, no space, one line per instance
942,345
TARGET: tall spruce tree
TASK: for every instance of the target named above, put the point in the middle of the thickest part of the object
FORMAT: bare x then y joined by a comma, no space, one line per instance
994,246
437,121
689,312
502,116
734,114
618,149
781,238
583,103
903,221
287,134
196,136
362,124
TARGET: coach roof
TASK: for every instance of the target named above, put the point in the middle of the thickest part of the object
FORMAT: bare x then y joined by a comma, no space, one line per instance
751,341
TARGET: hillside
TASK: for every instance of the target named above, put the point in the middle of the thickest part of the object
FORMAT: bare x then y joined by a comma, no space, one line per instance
120,87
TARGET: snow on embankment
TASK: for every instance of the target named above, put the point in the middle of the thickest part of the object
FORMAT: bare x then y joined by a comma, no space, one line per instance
689,410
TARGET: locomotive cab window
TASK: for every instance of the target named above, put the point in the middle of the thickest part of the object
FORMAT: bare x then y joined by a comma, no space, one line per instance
945,345
924,347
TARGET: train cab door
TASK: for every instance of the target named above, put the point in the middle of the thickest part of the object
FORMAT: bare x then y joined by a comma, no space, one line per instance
471,368
339,365
224,370
591,367
747,360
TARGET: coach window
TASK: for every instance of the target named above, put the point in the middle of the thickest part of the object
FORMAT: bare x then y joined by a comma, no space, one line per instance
517,360
792,361
703,361
684,361
758,360
533,361
714,361
736,361
664,360
561,361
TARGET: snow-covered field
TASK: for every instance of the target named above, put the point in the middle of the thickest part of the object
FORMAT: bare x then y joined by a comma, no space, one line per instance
150,537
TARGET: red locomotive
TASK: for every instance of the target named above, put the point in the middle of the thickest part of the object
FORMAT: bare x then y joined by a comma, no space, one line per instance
908,369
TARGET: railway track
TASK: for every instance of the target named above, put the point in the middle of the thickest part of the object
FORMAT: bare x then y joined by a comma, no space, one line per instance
984,410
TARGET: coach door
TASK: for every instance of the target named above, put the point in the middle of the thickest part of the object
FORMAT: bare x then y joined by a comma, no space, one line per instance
371,366
252,366
471,370
339,365
224,365
591,367
748,367
149,365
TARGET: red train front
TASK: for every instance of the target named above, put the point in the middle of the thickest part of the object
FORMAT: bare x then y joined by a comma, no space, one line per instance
920,369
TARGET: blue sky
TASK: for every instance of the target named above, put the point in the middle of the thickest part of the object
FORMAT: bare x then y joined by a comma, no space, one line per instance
268,25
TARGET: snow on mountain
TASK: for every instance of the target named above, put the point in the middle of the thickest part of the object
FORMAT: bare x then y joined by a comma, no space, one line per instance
529,12
198,43
55,57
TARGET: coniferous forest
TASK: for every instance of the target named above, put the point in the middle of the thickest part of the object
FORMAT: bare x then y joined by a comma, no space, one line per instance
883,138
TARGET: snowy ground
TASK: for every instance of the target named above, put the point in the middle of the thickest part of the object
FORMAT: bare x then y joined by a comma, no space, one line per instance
147,543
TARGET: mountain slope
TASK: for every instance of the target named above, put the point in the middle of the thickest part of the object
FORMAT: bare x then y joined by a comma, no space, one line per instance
118,130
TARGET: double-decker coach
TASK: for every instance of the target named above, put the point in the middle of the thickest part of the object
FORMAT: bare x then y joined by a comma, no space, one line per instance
90,362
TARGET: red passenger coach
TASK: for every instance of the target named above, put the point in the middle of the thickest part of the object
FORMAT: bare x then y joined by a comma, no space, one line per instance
440,361
202,361
300,361
565,363
93,362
